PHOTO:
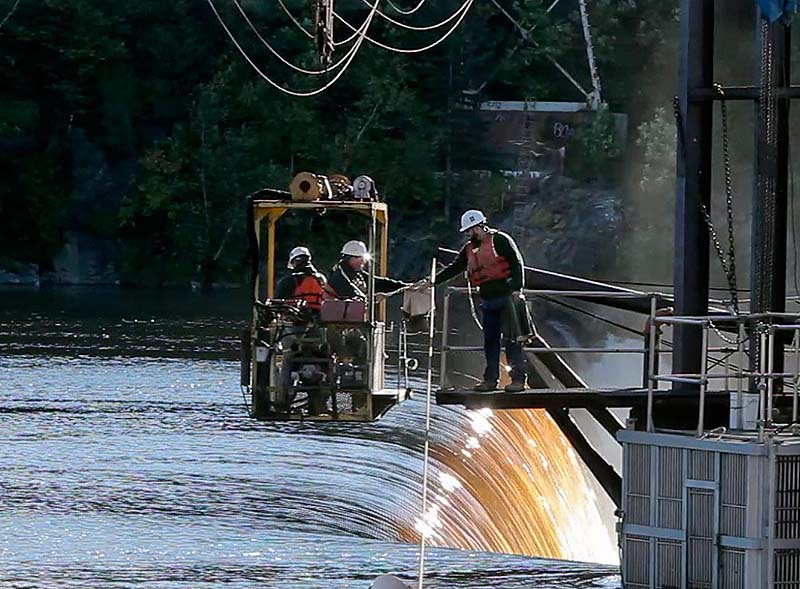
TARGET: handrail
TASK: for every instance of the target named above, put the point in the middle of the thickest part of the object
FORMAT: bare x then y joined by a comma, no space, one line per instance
768,382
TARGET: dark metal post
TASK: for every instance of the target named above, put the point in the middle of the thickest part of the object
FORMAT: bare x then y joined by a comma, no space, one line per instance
768,254
696,70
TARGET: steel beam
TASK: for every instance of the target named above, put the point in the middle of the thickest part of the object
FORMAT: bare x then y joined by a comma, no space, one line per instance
693,185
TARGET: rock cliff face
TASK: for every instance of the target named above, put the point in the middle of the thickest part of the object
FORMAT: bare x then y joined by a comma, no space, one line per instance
564,226
84,260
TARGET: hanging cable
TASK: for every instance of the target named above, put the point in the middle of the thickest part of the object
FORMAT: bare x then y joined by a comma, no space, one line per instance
274,52
463,12
10,12
277,86
403,25
295,21
426,449
406,12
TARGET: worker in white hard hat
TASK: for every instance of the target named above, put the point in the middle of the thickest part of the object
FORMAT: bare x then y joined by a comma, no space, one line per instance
348,279
304,282
493,264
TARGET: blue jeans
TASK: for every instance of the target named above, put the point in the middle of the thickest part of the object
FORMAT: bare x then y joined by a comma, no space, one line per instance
495,320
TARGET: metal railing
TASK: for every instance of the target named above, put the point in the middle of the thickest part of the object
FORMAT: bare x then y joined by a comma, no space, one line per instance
759,376
727,362
447,348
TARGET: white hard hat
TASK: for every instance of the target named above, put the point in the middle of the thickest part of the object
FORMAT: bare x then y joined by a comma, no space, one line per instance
355,248
298,251
388,582
471,218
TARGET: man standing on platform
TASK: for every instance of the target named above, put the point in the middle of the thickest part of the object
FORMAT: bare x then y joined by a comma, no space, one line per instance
494,265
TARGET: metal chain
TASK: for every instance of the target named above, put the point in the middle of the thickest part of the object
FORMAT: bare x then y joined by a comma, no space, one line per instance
726,156
723,258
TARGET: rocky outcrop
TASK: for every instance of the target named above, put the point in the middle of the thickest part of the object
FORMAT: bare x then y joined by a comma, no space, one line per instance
20,274
84,260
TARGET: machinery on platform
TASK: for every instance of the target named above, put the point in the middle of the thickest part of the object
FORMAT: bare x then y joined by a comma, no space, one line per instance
326,364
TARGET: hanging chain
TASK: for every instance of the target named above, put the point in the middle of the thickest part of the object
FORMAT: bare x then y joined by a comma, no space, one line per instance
726,156
727,261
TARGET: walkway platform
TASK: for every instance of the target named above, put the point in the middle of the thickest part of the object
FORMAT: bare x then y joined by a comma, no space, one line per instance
577,398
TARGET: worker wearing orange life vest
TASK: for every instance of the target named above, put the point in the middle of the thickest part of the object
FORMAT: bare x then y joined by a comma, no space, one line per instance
494,265
304,282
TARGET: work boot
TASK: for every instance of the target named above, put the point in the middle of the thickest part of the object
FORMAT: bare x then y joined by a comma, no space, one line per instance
485,386
515,387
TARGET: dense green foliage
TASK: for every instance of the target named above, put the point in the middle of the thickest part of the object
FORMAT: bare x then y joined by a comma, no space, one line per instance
139,122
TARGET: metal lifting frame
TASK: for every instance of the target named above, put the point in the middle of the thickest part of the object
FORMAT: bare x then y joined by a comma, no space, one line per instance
768,377
697,93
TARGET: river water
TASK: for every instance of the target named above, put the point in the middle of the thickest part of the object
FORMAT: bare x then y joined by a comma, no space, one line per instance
127,460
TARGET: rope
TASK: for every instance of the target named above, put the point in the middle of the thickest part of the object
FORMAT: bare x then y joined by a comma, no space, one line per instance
463,12
593,315
363,31
283,59
426,451
472,310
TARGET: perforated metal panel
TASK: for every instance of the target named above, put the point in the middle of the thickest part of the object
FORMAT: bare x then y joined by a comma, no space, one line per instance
709,500
637,472
700,545
733,494
670,488
637,563
787,569
787,497
731,569
701,465
668,564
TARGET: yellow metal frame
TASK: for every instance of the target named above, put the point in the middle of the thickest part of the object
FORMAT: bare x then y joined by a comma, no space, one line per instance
273,210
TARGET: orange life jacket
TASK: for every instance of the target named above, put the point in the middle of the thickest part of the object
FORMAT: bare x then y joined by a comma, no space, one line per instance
310,290
484,264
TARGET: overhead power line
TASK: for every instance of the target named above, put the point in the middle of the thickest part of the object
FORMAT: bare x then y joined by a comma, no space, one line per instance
403,25
294,20
274,52
462,12
401,11
10,12
362,35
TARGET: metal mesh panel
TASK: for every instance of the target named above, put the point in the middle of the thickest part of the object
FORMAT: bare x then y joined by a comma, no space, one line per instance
787,491
637,510
787,569
670,472
700,545
668,565
701,465
731,569
670,487
733,494
637,562
669,514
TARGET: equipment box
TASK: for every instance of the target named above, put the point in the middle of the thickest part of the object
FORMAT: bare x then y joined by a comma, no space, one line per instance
347,311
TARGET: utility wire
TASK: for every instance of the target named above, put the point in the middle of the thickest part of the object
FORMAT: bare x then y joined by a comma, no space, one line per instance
295,21
277,86
462,13
406,12
274,52
10,12
403,25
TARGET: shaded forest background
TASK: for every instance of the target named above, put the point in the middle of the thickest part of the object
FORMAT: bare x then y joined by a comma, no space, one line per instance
138,127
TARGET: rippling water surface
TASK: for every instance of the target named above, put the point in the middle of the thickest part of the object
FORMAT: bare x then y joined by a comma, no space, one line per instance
127,460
